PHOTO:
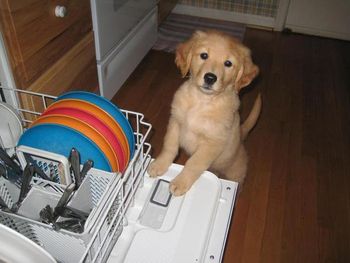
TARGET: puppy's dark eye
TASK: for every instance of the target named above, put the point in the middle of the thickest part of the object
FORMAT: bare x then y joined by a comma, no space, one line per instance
204,56
228,63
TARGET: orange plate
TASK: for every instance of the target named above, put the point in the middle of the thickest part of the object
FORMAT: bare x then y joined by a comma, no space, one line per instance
100,114
91,120
85,129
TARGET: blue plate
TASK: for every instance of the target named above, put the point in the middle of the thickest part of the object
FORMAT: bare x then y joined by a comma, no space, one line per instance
61,139
110,108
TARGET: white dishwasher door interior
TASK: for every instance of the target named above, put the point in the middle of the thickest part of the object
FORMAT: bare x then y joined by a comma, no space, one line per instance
190,228
124,31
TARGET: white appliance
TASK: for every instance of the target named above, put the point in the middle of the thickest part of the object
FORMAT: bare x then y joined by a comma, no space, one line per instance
124,31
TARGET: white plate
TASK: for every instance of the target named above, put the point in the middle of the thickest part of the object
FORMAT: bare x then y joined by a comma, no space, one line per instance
16,248
10,126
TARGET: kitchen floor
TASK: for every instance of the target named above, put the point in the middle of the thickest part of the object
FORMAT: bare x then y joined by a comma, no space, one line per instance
295,204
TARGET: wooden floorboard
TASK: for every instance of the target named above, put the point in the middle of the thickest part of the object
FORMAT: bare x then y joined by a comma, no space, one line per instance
295,204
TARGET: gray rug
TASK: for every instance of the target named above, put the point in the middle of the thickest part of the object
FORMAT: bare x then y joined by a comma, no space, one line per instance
177,28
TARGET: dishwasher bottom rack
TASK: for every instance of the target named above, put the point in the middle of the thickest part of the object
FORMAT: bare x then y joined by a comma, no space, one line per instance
104,196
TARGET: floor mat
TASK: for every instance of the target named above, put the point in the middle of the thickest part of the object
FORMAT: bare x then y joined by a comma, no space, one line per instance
177,28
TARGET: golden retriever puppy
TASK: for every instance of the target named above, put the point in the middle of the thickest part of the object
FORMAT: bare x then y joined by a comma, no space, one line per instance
204,120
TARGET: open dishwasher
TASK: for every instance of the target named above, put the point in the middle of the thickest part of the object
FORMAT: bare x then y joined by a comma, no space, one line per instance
132,217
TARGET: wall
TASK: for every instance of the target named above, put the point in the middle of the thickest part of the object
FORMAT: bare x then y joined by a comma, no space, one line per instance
267,8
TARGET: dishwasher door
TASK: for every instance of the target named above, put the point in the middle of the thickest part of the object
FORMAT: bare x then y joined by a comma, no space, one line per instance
187,229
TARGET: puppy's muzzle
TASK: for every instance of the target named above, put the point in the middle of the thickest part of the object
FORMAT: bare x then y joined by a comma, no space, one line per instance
210,78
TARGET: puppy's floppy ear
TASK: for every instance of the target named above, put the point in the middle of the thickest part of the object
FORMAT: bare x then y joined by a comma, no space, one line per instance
248,70
184,56
184,53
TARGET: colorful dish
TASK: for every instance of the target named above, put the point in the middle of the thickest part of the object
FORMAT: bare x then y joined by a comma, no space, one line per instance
87,130
98,113
98,125
61,139
107,106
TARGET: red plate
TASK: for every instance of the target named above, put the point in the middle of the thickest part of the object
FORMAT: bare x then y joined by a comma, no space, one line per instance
98,125
99,114
85,129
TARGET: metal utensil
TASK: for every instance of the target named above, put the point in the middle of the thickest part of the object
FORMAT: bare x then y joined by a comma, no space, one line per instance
64,199
46,215
70,212
10,174
9,162
86,167
74,159
75,222
26,179
75,225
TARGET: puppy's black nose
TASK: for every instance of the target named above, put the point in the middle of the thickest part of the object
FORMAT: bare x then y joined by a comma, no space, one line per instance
210,78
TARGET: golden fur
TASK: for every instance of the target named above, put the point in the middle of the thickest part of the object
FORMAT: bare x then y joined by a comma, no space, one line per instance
204,118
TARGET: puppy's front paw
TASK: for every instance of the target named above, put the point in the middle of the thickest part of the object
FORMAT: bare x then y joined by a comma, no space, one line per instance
157,168
179,186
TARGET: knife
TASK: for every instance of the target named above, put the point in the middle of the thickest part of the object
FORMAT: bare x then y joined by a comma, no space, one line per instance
62,203
86,167
74,159
9,162
26,179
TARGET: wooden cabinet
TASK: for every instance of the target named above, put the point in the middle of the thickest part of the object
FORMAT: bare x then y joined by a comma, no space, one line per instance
49,54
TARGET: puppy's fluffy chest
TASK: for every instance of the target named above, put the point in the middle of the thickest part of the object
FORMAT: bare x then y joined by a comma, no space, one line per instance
202,117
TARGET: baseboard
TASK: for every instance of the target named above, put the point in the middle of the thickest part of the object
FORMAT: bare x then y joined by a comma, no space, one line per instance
318,32
225,15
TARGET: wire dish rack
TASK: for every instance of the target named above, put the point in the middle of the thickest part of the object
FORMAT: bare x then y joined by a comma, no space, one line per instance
105,196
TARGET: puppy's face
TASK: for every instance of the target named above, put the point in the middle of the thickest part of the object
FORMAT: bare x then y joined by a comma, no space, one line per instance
216,62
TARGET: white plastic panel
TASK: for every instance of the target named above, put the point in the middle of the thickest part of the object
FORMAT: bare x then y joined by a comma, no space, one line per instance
114,19
119,64
320,17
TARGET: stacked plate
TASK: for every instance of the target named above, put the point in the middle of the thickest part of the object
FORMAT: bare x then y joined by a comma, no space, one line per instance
87,122
10,126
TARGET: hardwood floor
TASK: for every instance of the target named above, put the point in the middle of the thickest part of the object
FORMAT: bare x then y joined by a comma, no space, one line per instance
295,204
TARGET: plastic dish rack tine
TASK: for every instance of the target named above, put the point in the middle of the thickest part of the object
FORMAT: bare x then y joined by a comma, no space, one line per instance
55,166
